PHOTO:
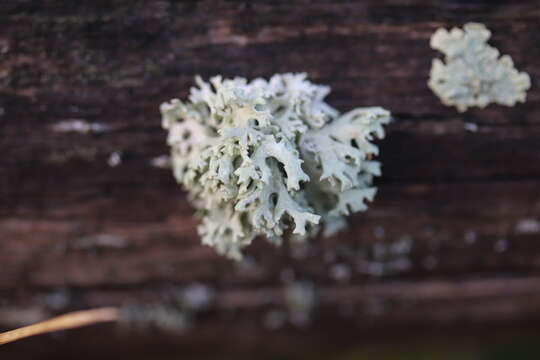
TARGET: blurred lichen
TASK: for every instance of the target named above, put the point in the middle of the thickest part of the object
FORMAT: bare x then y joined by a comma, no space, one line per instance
270,158
472,73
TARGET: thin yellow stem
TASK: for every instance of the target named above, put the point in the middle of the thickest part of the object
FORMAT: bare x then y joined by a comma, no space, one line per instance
68,321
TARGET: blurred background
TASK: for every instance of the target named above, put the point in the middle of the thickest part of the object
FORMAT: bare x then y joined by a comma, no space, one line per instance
444,265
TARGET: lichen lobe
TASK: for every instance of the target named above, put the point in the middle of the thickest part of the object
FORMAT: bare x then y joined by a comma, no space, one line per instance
270,157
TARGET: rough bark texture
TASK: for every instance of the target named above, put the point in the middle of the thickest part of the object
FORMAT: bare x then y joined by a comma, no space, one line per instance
78,230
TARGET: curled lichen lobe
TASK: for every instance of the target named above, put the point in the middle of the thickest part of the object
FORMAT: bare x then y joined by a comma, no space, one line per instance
268,157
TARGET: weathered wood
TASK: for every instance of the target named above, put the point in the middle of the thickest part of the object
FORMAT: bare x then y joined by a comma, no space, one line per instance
77,230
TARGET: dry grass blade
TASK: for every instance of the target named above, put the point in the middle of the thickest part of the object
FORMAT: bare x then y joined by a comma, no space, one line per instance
63,322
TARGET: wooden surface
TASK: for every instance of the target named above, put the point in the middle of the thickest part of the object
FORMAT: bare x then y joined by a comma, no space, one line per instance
451,241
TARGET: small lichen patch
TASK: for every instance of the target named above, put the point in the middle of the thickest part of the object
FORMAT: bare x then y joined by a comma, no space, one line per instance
271,157
470,237
99,241
472,73
300,299
115,159
164,317
197,297
161,162
527,226
501,245
80,126
57,157
471,127
275,319
382,259
340,273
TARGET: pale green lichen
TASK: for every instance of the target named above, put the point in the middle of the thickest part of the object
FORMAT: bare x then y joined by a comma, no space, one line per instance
472,73
270,157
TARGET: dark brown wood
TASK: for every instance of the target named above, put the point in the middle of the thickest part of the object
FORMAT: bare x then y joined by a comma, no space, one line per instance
462,190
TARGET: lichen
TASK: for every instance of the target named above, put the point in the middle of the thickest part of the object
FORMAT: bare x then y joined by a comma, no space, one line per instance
270,158
472,73
300,299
